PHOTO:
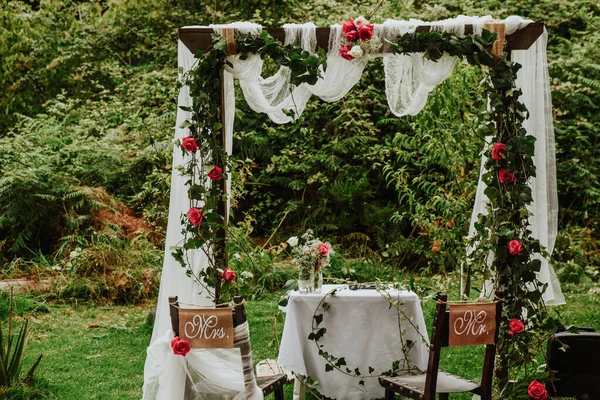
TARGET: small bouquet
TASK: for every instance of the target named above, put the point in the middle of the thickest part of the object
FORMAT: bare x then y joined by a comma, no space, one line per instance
311,255
358,38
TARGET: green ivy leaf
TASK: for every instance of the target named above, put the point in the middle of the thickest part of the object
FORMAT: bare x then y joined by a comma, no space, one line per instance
318,318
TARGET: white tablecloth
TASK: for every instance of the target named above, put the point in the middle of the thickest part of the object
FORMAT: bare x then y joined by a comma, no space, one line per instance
361,327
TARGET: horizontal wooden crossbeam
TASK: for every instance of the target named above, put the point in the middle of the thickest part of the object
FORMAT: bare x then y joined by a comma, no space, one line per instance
200,38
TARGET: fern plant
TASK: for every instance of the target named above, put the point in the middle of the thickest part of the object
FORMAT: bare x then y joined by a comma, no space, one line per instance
12,352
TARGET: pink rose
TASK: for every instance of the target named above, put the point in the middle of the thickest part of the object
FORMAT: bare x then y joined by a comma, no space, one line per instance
324,249
351,36
215,174
195,216
344,52
499,151
515,247
537,391
515,326
505,176
189,143
180,347
365,32
348,26
228,275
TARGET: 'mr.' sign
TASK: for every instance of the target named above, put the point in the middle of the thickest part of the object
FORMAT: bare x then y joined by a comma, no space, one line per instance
472,324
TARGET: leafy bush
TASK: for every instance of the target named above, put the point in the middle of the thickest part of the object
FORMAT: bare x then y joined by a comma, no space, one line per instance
88,110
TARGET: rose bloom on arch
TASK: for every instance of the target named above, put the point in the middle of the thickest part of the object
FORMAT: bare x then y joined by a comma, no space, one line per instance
515,247
537,391
195,216
189,144
515,326
216,173
228,275
499,151
505,176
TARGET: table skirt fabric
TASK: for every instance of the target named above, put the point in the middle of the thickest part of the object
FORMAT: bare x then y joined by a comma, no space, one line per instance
362,328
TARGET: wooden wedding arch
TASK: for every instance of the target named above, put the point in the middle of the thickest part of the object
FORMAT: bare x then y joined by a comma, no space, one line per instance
200,39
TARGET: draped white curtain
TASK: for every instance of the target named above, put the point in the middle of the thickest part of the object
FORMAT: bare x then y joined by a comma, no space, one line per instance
409,80
534,82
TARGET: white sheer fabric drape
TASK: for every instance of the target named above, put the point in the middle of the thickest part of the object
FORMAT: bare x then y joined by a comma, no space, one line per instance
534,82
174,281
274,95
409,80
203,374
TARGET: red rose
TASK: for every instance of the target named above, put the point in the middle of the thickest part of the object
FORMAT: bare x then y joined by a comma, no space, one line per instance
515,247
189,143
348,26
195,216
228,275
351,36
215,174
324,249
499,151
435,249
537,391
505,176
365,32
344,52
180,347
515,326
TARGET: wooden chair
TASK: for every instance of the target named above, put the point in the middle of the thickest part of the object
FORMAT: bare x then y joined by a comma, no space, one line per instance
267,384
425,386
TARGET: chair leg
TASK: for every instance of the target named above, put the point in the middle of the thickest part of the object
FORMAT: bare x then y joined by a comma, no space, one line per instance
278,393
443,396
389,394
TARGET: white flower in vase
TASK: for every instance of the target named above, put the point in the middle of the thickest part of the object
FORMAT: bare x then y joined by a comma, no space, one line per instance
293,241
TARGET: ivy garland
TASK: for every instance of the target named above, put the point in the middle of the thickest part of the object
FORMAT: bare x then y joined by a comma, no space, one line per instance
503,231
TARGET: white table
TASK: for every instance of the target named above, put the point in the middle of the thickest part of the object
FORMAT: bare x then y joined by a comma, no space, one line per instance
361,327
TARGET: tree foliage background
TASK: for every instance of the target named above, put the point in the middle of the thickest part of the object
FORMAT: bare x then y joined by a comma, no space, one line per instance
88,108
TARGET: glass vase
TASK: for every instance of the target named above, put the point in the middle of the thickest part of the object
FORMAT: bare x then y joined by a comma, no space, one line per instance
318,281
306,281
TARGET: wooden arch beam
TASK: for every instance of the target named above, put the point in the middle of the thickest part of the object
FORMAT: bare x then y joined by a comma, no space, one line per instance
200,38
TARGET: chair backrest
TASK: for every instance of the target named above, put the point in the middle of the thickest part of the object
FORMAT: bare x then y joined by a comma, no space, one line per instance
471,326
241,340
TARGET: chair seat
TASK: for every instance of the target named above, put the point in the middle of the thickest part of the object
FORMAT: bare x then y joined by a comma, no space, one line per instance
446,383
268,384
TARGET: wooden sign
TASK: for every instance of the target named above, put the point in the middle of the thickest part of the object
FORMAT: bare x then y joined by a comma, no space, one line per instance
472,324
206,328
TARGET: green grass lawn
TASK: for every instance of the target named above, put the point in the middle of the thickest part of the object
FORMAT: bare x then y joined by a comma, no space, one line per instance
95,352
